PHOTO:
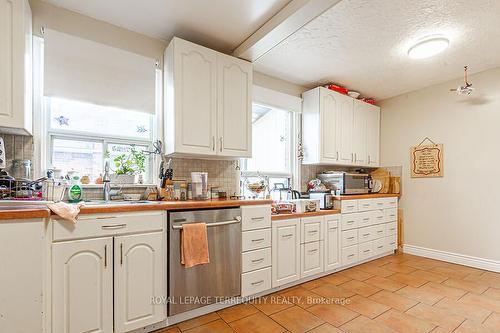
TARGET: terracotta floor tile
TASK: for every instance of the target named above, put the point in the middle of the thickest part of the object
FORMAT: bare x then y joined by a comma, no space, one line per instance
366,307
174,329
408,279
449,272
331,291
489,278
475,287
365,325
481,301
356,274
332,313
443,290
404,323
399,268
429,276
325,328
492,293
256,323
437,316
419,295
302,297
375,270
336,279
394,300
421,264
312,284
237,312
470,326
198,321
385,283
468,311
493,322
218,326
272,303
296,319
440,330
360,288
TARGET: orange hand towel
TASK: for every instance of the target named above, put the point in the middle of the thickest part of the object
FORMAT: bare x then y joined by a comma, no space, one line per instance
194,244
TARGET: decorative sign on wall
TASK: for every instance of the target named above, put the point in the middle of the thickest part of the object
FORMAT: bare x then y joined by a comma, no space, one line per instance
427,160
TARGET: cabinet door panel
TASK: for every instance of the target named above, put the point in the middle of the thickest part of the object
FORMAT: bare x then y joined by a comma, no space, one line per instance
139,275
195,81
345,130
373,135
234,107
82,280
329,109
286,252
332,244
359,133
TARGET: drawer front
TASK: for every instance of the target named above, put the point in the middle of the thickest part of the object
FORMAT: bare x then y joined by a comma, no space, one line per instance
255,282
379,203
350,255
349,206
366,234
312,258
255,239
380,246
391,215
365,219
365,205
255,217
108,225
379,231
378,216
366,251
349,221
392,242
311,229
349,237
391,228
253,260
390,203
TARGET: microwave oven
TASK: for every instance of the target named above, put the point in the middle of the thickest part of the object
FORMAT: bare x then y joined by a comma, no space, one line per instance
344,183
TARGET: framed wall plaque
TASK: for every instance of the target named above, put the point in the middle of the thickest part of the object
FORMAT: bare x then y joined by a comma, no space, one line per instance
427,161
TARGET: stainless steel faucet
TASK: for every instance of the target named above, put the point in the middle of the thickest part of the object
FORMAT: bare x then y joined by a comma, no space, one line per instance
106,181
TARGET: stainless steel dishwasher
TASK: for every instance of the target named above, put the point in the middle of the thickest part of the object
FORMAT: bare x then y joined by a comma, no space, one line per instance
191,288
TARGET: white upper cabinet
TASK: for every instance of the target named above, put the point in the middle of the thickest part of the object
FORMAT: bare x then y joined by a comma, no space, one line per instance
208,105
337,129
15,67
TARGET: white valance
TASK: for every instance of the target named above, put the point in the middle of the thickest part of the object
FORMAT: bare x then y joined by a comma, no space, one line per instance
87,71
265,96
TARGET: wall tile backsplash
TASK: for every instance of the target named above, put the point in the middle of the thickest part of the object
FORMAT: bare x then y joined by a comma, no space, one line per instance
17,147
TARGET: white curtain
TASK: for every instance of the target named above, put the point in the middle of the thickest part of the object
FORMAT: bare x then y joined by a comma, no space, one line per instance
87,71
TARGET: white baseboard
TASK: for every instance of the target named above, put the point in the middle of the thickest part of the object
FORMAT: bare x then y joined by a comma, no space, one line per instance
461,259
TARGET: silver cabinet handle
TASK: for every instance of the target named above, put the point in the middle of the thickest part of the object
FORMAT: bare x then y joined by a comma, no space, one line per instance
287,235
333,228
220,148
355,157
105,256
337,158
237,219
313,251
365,251
257,283
379,247
312,231
352,237
257,218
121,254
352,157
350,222
364,235
258,240
258,260
366,219
350,256
380,231
113,226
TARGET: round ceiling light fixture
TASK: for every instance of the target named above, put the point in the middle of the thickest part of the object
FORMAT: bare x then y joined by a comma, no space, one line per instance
428,47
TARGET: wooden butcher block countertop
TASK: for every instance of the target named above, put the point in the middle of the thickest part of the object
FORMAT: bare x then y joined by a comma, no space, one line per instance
23,212
277,217
365,196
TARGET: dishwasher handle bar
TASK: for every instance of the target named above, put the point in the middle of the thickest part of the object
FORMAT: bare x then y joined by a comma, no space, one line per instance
237,219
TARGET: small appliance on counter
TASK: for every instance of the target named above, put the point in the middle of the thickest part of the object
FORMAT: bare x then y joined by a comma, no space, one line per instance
325,199
305,205
344,183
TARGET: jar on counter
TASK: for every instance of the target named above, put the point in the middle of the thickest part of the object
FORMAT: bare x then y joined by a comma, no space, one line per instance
184,192
169,190
21,169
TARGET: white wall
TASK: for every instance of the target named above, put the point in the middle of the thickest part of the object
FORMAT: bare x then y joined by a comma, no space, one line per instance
459,213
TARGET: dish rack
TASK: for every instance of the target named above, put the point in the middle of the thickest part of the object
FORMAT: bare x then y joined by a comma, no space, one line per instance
53,190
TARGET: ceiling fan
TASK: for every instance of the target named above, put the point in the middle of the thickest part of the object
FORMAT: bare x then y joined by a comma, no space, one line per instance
467,88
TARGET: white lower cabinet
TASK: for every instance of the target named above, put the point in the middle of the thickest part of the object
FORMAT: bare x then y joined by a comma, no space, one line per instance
286,251
332,242
311,258
138,276
255,282
82,286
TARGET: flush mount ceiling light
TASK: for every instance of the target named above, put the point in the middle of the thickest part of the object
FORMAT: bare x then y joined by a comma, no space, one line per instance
428,47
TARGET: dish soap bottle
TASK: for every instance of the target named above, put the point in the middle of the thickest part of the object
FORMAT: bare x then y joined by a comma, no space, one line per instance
75,191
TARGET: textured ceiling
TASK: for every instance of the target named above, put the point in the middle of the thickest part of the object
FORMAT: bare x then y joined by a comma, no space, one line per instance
363,44
219,24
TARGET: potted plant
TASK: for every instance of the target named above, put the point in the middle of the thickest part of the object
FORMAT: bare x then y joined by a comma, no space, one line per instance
128,166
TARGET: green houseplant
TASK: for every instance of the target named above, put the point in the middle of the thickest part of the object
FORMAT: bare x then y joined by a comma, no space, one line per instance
128,166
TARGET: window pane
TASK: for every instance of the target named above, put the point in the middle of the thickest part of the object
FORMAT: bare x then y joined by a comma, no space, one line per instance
271,140
116,149
85,157
100,120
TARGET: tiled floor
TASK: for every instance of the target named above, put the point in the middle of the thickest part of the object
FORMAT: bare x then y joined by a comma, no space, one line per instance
399,293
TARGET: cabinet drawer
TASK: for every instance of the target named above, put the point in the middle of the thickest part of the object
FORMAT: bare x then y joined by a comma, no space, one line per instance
366,234
379,246
365,250
391,215
350,255
379,231
312,258
365,205
349,237
378,216
379,203
365,219
255,282
392,242
108,225
311,229
257,259
255,217
255,239
390,203
349,221
391,228
349,206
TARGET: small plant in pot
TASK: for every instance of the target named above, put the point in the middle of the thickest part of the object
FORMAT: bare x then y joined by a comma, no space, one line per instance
128,166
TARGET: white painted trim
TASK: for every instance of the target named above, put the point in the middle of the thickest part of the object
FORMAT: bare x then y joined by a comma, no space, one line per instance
461,259
279,100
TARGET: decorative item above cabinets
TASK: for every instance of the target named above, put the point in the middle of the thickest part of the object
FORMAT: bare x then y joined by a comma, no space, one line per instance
16,68
339,130
208,102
